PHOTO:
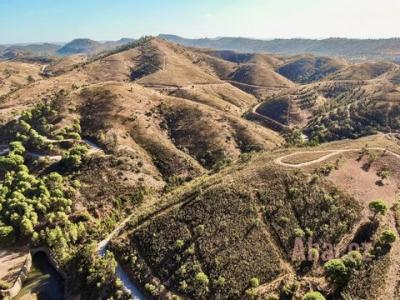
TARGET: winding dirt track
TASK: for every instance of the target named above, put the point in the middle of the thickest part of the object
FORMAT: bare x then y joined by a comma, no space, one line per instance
331,153
394,269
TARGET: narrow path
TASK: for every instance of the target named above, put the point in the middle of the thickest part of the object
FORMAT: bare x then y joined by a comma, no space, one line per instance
93,148
331,153
267,119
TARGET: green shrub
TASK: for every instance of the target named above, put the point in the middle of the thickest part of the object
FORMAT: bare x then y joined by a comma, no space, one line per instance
17,148
353,259
199,229
74,135
298,232
336,271
7,235
150,288
378,207
183,285
220,281
251,293
202,278
179,244
254,282
70,162
290,288
313,296
387,237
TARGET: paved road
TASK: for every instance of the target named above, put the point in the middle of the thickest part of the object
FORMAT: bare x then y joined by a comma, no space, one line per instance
129,286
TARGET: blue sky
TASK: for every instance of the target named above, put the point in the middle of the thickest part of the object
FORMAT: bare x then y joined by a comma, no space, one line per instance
63,20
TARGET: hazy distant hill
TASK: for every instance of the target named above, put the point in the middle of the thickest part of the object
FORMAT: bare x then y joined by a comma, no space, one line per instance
39,49
77,46
88,46
351,48
80,46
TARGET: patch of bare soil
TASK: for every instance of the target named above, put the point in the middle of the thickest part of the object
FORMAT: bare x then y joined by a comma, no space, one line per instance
299,158
363,183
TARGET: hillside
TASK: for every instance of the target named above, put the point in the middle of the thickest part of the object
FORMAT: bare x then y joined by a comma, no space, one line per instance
339,47
37,49
234,227
357,100
364,71
76,46
147,120
196,172
196,231
51,50
14,75
306,69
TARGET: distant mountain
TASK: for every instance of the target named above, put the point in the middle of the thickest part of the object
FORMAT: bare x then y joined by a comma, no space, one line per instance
340,47
38,49
28,51
77,46
88,46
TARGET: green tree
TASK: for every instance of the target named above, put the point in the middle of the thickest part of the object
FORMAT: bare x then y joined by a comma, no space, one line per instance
336,271
254,282
202,278
352,259
26,227
7,235
313,296
387,237
17,148
377,207
150,288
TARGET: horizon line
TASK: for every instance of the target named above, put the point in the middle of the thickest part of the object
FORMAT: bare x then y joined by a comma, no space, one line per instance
198,38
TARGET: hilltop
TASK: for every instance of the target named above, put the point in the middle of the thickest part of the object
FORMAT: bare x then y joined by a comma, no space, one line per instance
51,51
198,169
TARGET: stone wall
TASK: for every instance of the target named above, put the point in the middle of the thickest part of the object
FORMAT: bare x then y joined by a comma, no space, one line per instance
14,290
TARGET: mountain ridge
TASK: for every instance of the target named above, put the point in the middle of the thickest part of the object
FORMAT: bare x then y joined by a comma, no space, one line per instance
341,47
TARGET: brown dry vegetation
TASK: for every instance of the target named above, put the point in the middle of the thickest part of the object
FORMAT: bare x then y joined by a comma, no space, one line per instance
303,157
15,75
170,118
364,71
239,228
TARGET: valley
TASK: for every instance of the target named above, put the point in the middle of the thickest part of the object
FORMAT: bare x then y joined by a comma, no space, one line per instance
164,171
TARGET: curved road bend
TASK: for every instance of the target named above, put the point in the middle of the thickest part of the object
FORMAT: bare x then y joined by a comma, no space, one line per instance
331,153
129,286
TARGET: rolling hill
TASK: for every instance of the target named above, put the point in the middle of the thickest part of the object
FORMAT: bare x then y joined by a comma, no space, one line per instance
306,69
165,156
53,50
339,47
